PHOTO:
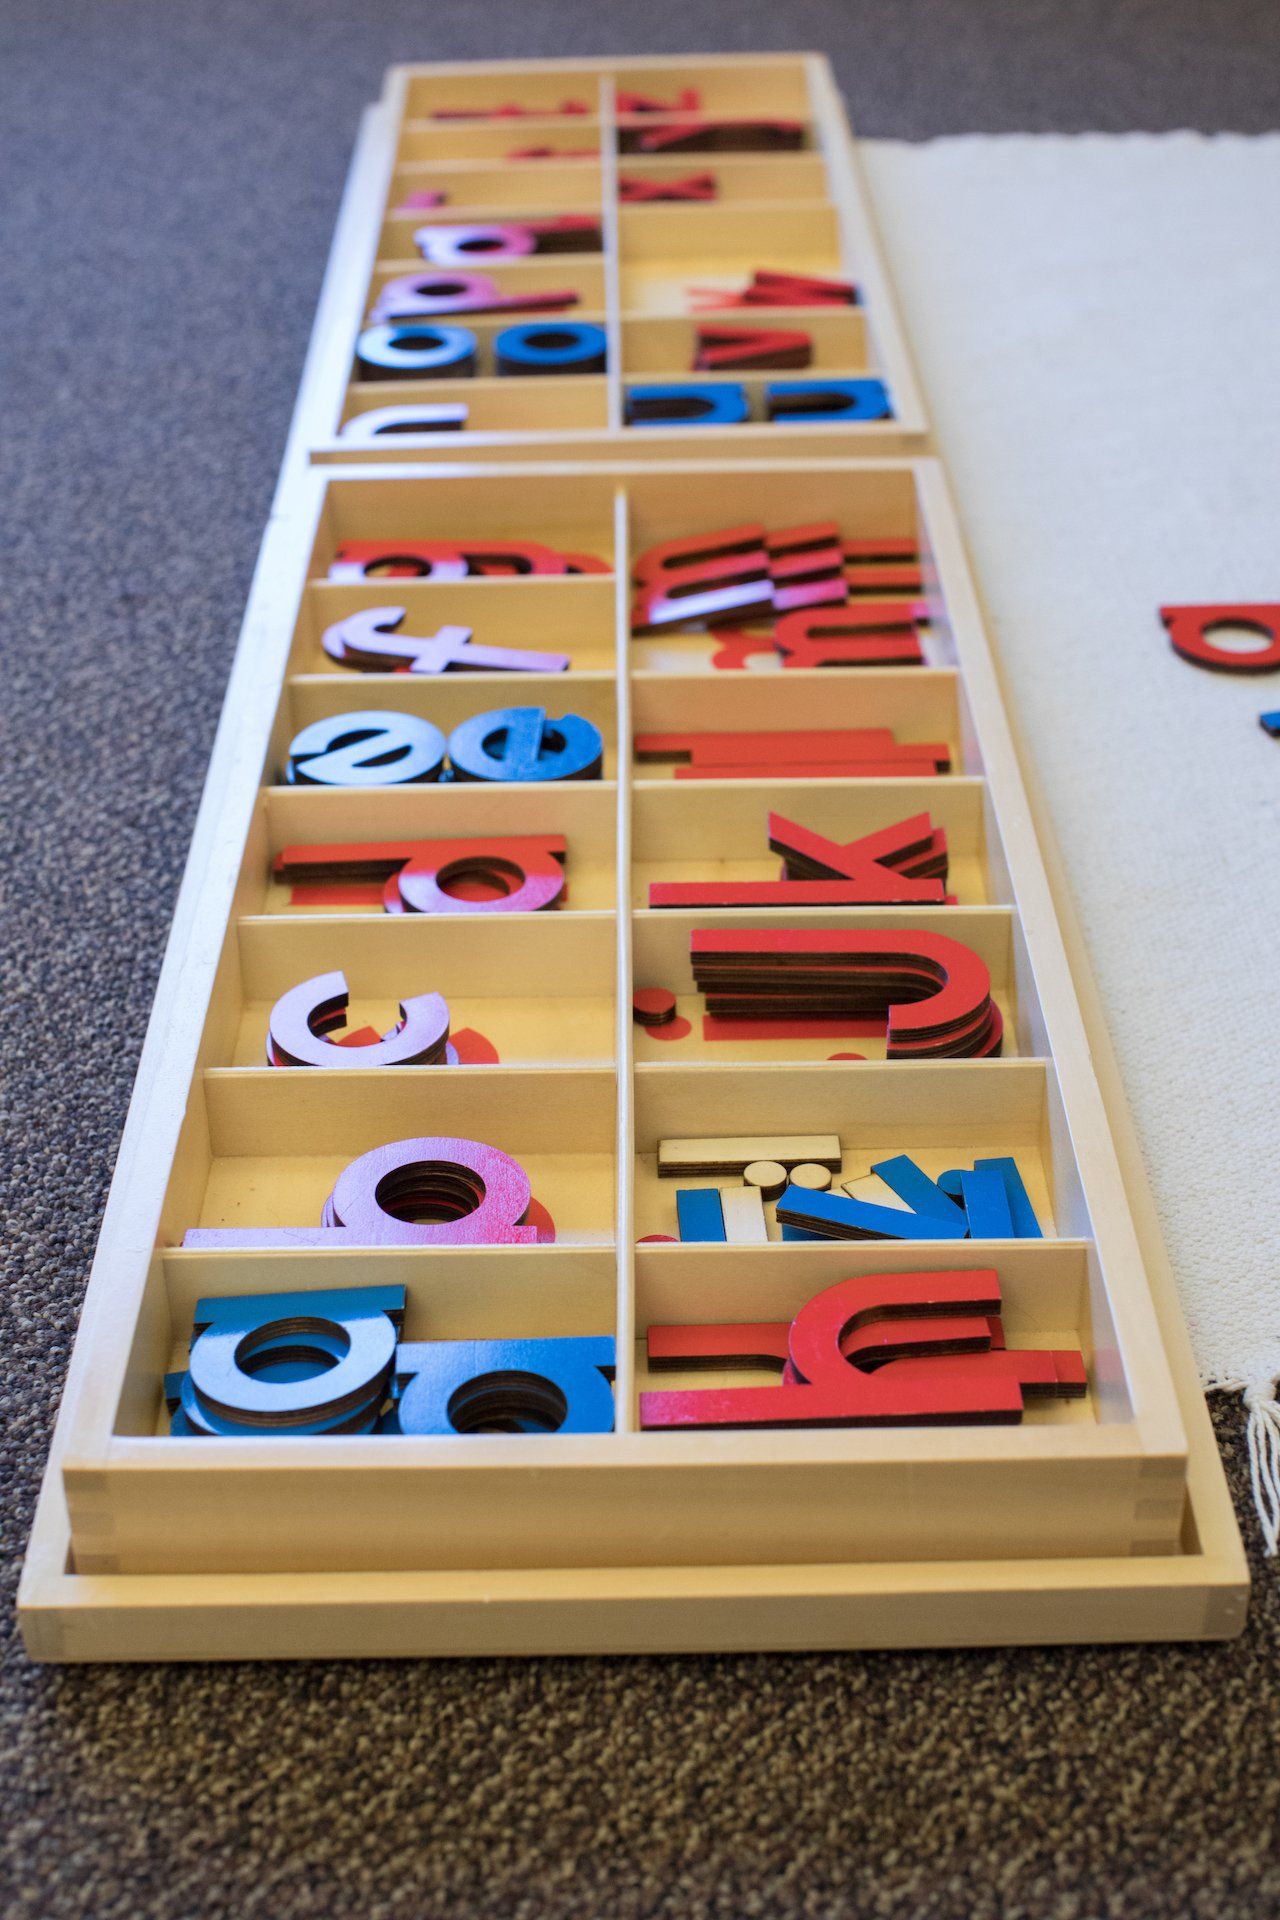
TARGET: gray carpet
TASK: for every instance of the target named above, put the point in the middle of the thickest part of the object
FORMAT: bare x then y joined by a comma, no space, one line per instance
169,178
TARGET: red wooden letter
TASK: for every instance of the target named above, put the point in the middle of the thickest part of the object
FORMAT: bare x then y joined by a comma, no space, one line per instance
1191,635
747,347
884,1349
701,576
635,191
867,634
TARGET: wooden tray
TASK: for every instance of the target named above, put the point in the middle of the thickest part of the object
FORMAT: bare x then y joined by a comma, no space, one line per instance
1103,1519
803,212
199,1548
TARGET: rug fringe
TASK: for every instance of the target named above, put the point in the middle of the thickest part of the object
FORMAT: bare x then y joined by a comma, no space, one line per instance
1264,1459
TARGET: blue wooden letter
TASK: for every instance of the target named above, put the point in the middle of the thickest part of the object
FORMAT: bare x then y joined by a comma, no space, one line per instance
315,1362
827,400
688,406
505,1386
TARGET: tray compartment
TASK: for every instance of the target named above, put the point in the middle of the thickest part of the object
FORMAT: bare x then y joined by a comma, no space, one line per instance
393,387
547,406
569,186
494,1293
489,1293
550,1002
942,1113
718,829
583,811
664,348
660,944
739,177
1047,1297
572,614
579,273
446,700
773,89
540,88
867,502
263,1148
574,518
488,143
798,702
578,194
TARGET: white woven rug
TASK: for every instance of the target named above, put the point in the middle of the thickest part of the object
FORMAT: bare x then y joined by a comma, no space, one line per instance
1096,321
